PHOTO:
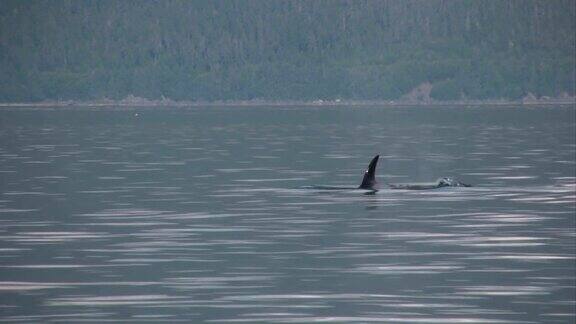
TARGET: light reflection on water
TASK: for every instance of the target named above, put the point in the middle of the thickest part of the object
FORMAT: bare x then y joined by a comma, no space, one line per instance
204,215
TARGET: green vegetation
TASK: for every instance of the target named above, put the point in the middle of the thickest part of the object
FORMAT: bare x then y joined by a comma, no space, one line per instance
282,50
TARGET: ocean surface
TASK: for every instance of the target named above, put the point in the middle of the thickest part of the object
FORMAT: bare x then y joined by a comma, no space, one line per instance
205,215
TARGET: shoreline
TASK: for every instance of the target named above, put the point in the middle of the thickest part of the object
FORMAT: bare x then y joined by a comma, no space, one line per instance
132,102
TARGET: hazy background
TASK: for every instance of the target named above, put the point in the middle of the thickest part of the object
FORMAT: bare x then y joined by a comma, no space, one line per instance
278,50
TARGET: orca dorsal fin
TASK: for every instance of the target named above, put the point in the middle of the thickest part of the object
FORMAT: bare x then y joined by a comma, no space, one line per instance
369,180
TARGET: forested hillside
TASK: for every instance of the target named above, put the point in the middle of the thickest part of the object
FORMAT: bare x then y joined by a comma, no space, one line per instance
278,50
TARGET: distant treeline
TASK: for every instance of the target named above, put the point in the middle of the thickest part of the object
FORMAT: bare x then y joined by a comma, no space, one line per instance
283,50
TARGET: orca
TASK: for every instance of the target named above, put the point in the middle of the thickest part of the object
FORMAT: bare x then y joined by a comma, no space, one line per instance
369,181
443,182
370,184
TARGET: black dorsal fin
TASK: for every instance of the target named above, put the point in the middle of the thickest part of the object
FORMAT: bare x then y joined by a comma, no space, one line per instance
369,180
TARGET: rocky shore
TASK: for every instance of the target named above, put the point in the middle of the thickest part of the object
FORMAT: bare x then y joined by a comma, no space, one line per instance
133,101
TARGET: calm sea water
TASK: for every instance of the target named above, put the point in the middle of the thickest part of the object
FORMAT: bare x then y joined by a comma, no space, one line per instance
201,215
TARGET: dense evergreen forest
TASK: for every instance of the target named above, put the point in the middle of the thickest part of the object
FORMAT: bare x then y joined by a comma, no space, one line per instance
285,50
